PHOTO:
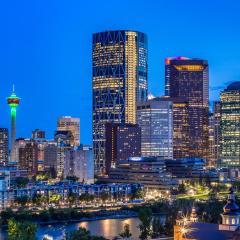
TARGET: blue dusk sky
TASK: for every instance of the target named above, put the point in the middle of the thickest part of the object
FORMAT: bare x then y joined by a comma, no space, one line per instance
45,50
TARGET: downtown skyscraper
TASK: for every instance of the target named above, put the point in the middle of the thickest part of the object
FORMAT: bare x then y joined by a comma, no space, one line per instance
188,78
230,126
155,118
3,146
120,81
68,123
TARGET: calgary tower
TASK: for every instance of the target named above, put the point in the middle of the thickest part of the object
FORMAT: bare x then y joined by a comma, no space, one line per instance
13,101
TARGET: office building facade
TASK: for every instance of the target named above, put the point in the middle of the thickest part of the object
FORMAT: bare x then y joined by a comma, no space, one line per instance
230,126
214,135
79,163
211,128
188,78
4,138
155,118
28,157
71,124
50,156
148,171
180,127
123,140
64,139
217,130
38,134
119,81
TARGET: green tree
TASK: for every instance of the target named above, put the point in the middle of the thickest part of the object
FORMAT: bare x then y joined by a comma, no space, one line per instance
145,216
21,230
21,182
157,227
104,196
23,200
138,194
40,199
72,198
86,197
83,234
54,198
181,188
126,232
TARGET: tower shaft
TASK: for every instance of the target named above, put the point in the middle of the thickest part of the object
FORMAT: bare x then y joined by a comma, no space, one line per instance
13,132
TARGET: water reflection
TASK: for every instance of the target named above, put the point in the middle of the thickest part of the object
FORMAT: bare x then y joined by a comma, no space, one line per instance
108,228
111,228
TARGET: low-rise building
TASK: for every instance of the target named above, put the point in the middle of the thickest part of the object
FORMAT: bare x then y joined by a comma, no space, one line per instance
64,188
186,167
148,171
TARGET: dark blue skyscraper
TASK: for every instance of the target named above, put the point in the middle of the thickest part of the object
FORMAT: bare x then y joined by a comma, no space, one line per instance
119,81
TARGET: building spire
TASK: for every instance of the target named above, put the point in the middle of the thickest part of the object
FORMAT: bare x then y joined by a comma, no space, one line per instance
13,87
193,216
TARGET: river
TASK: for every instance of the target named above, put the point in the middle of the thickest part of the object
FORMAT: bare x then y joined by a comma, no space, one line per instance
109,228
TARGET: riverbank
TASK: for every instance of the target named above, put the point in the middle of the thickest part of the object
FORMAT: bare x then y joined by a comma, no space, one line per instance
122,216
55,216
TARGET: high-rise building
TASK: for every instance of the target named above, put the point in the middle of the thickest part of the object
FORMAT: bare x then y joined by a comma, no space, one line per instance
30,154
211,140
217,131
79,163
63,140
188,78
3,146
28,157
123,140
50,157
71,124
120,80
155,118
38,134
214,134
13,101
180,127
230,125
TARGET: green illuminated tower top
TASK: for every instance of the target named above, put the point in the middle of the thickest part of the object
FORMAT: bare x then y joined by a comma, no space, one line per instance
13,101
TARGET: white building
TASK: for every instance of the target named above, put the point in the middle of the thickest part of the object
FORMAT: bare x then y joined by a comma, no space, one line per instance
79,162
155,117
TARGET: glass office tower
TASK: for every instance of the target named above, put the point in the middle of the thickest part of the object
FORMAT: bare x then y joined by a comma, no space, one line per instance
230,126
119,62
155,118
188,78
4,146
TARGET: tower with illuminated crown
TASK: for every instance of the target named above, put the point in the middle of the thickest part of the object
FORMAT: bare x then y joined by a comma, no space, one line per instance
13,101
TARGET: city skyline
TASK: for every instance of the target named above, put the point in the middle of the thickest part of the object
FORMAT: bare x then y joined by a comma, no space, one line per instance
59,62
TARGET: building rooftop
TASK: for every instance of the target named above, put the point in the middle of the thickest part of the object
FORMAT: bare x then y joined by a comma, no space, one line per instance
203,231
234,86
